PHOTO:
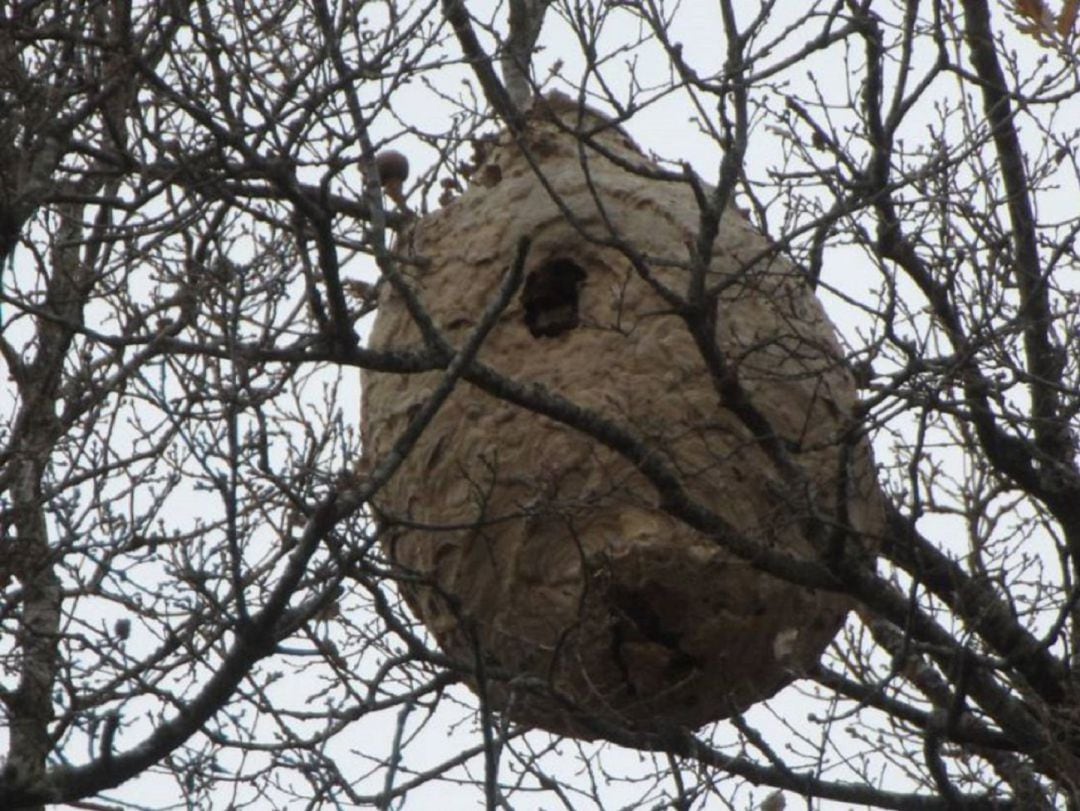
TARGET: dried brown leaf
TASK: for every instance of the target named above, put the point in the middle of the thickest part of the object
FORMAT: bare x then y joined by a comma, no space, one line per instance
1032,9
1066,23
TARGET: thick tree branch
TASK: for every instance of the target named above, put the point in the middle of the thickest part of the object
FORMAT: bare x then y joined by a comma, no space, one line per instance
458,16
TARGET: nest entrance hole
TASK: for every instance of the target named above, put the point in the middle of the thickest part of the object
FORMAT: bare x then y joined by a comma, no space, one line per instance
550,298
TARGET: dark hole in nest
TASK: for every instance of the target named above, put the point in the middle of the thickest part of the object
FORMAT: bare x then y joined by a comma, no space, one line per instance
551,296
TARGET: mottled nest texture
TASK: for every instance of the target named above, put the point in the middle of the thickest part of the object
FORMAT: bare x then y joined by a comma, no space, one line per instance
546,553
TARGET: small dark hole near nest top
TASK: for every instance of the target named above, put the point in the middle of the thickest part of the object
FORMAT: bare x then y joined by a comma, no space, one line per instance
550,298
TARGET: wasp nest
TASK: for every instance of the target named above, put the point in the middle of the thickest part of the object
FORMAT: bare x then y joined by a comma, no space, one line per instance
547,553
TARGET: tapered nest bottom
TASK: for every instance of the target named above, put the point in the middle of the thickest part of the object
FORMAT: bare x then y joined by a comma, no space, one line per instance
662,631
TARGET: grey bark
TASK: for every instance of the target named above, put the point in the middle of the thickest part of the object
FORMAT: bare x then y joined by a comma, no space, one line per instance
526,20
